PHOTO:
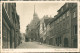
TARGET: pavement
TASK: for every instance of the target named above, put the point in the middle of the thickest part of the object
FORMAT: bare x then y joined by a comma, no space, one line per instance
35,45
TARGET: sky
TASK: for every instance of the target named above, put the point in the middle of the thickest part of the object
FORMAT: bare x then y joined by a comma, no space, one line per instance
26,11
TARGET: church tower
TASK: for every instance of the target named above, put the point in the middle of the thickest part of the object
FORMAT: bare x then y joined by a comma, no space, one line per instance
35,16
35,19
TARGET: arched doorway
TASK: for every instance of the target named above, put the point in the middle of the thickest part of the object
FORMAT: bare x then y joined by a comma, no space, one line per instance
65,42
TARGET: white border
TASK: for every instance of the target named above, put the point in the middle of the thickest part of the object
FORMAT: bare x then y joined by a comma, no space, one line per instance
41,50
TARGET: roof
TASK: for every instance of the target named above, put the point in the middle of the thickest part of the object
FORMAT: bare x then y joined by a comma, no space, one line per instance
61,7
48,20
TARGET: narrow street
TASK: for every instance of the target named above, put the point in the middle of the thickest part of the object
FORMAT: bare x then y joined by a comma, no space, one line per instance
35,45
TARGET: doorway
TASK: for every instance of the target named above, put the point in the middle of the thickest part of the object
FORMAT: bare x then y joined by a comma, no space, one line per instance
65,42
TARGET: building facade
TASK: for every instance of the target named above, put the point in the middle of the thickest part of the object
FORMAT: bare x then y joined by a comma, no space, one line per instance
43,28
49,32
10,26
62,30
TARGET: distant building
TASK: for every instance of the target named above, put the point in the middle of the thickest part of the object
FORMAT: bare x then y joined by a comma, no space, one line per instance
10,26
35,20
31,28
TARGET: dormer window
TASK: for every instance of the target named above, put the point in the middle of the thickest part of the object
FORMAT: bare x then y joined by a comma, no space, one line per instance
64,16
62,10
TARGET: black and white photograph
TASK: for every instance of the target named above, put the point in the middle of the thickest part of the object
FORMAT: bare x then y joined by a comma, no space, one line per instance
39,25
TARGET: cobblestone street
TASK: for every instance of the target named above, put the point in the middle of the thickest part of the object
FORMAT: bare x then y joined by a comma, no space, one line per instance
35,45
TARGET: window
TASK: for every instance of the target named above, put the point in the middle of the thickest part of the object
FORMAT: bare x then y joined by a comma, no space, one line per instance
56,40
64,16
60,18
67,24
60,39
43,26
75,29
74,14
67,13
57,20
